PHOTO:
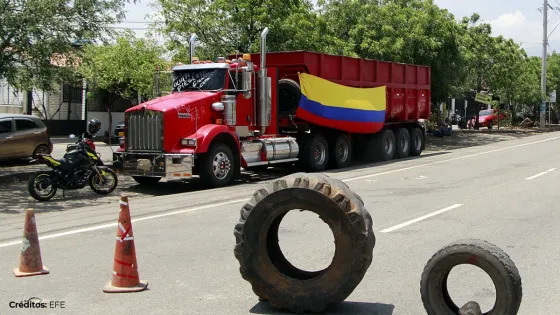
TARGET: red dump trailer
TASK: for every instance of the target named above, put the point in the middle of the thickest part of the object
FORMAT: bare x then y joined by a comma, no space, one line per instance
258,110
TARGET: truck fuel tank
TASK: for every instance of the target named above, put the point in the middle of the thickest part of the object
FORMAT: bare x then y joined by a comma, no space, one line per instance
272,149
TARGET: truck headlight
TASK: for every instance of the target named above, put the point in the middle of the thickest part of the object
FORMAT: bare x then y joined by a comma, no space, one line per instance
188,142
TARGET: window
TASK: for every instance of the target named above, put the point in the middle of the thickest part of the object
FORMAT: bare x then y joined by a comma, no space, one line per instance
5,126
198,80
25,124
71,94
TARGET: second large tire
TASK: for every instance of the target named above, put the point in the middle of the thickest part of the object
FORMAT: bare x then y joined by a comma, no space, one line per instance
272,276
495,262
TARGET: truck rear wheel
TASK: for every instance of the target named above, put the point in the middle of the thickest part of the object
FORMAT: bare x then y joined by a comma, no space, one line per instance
416,141
314,155
341,151
381,147
402,140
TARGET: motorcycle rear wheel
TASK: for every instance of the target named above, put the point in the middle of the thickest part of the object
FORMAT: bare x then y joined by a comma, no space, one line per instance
37,180
94,181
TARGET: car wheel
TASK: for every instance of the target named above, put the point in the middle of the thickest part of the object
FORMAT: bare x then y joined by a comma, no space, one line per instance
41,149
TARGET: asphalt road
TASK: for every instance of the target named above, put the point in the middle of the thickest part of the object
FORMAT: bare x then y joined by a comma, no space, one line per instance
503,192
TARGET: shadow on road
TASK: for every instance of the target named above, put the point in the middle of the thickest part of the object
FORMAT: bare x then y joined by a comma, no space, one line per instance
16,198
16,162
355,308
460,140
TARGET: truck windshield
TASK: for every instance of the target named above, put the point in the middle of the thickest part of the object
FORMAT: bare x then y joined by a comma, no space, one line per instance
199,79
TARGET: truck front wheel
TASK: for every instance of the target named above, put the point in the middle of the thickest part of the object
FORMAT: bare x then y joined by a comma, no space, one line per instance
217,166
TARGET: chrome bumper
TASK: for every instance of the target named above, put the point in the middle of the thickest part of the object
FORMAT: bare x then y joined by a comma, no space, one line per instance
170,166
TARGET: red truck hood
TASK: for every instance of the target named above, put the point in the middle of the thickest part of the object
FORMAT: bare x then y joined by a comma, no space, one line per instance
175,101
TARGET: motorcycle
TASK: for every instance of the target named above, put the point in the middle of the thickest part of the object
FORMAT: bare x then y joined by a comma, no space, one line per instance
80,166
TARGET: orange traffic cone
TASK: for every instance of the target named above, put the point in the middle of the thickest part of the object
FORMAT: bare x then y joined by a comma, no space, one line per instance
125,269
30,262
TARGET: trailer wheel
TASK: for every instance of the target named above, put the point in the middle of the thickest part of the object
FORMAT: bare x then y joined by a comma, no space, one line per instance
402,140
341,151
314,155
264,266
416,141
490,258
217,166
381,147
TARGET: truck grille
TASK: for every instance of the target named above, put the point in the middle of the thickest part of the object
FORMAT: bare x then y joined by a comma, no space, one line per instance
144,131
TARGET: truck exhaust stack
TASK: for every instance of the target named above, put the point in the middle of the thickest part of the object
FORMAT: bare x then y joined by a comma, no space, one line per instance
265,110
191,47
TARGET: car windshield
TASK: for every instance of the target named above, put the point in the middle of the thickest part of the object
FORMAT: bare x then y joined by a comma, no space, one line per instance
485,112
199,79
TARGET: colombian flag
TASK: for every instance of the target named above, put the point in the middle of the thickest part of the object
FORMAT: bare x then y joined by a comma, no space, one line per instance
325,103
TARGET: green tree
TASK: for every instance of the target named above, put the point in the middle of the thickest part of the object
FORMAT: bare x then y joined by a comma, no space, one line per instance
38,38
125,68
414,31
228,27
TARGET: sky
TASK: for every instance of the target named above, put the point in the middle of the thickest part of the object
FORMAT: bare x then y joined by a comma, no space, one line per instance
520,20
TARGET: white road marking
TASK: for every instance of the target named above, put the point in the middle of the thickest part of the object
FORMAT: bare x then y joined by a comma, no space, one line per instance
113,225
396,227
448,160
540,174
104,226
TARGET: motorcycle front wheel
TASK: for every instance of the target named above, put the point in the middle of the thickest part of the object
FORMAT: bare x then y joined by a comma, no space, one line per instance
40,186
104,184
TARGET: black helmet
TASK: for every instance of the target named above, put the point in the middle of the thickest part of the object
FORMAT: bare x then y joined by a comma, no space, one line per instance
94,126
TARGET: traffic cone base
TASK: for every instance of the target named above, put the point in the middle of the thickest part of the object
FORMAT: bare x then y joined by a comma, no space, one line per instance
109,288
19,273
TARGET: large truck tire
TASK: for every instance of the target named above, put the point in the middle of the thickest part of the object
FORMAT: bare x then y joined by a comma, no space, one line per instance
341,151
314,154
402,141
289,95
495,262
217,166
381,147
271,275
416,141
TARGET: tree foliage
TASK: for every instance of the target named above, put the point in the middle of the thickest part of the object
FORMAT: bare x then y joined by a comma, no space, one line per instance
463,54
124,68
38,38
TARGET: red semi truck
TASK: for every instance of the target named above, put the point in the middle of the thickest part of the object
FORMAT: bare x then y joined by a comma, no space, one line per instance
273,108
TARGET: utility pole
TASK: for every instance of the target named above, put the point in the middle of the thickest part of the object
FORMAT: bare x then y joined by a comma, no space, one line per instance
543,72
